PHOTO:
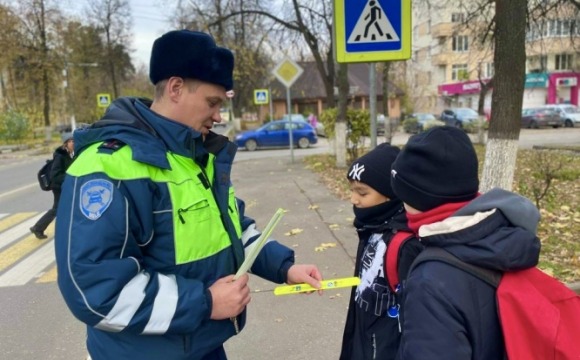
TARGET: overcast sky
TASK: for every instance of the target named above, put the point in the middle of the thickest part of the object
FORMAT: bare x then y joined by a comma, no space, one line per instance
149,22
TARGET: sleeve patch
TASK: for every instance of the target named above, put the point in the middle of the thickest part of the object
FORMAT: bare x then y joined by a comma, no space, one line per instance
96,196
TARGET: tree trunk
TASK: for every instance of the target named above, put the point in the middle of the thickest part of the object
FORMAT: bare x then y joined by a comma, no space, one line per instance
340,126
507,97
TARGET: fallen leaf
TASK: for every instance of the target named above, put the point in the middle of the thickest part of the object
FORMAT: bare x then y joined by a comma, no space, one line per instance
328,245
313,207
294,232
324,246
334,226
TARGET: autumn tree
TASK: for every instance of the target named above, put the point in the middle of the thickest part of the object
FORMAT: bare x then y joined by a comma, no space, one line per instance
246,34
312,20
33,60
503,24
113,19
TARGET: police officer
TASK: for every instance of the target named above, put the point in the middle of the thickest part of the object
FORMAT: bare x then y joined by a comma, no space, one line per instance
152,231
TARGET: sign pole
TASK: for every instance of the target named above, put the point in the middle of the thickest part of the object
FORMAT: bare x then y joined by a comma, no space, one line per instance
373,104
288,104
271,105
287,72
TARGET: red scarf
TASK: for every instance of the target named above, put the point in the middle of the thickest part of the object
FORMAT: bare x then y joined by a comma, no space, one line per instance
415,221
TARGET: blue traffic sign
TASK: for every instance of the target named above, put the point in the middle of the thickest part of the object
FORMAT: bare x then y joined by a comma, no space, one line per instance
372,30
261,96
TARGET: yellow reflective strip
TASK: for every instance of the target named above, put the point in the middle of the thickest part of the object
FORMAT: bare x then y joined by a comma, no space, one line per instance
15,219
22,248
118,165
49,276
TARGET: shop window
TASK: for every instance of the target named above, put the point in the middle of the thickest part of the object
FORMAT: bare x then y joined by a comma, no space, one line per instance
459,72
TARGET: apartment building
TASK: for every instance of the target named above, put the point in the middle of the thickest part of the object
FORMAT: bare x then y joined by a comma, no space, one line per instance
450,62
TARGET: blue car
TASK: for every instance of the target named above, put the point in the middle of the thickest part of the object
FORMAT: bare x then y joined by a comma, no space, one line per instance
275,134
459,117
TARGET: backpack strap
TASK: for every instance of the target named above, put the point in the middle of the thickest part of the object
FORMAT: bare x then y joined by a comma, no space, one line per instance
392,258
432,253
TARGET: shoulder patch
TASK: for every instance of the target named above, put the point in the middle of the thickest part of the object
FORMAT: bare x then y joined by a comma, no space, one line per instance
110,146
96,196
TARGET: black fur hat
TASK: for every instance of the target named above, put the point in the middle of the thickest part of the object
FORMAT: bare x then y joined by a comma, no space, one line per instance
193,55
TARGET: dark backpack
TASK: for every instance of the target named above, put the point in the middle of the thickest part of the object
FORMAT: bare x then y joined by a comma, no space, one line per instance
539,316
44,179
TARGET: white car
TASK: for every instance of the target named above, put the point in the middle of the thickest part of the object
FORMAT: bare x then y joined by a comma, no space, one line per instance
570,114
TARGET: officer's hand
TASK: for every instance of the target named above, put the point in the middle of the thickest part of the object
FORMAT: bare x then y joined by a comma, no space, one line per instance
229,297
304,273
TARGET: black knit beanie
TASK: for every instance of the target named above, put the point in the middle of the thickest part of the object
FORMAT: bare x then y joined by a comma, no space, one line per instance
436,167
374,169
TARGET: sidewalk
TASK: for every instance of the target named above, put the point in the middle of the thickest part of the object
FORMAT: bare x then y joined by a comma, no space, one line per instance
295,327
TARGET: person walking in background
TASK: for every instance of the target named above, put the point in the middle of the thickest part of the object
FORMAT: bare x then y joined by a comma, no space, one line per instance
313,120
153,232
372,329
63,157
449,314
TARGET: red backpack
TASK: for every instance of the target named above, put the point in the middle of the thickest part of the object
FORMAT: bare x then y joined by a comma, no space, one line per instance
539,316
392,259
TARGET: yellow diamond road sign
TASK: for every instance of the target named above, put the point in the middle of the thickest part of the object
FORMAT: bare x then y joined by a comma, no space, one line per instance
287,72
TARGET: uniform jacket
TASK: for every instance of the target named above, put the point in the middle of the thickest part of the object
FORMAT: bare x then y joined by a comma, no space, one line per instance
450,314
62,161
148,222
370,332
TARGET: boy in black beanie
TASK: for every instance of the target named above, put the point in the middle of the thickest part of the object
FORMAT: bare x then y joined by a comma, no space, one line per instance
372,329
448,313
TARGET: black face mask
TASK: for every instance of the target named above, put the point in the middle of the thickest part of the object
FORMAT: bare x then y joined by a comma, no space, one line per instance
376,215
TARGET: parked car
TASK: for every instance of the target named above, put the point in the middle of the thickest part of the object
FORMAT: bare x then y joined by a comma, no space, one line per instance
570,114
459,116
276,134
534,118
422,119
300,117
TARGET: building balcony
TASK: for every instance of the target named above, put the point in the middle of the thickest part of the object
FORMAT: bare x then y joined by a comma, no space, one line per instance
445,58
442,29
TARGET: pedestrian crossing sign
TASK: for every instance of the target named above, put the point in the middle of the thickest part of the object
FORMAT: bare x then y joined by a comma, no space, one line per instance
261,97
372,30
103,100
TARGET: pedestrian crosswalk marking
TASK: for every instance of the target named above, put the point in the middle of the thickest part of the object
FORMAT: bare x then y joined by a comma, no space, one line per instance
8,220
12,254
23,258
48,276
29,268
17,231
373,26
